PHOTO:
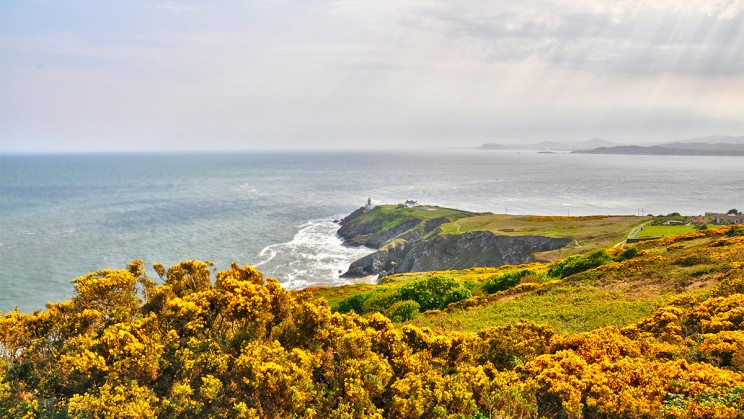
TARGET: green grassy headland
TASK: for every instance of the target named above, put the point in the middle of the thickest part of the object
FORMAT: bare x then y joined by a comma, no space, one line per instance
388,217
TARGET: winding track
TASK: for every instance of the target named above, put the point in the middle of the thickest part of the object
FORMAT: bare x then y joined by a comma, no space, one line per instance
634,232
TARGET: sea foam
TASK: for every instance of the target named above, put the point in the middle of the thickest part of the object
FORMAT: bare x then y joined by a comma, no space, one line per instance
314,256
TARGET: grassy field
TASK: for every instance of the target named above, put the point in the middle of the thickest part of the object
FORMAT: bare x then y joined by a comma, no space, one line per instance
664,231
618,293
569,308
589,232
565,306
472,277
423,213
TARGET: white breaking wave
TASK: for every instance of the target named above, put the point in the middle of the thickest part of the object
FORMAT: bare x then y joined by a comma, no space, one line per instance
314,256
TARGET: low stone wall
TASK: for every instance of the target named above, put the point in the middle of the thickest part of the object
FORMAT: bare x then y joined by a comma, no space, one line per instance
640,239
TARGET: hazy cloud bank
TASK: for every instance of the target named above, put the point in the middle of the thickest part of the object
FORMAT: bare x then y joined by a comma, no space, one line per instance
347,74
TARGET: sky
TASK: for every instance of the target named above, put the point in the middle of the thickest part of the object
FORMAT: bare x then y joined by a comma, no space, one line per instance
225,75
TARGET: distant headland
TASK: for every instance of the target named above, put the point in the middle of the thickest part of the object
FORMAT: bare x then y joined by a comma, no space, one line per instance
674,149
411,237
714,145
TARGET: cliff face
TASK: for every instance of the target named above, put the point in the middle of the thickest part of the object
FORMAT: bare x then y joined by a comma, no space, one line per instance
415,245
384,261
475,248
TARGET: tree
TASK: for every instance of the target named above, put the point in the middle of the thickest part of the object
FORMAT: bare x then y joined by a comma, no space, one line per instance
732,211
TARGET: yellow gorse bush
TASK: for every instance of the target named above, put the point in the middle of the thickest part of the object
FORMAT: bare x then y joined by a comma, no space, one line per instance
241,346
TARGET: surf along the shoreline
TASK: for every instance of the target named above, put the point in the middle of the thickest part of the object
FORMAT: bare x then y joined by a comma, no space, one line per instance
314,256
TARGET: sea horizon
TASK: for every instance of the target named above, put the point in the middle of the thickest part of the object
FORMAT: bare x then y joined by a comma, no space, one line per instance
64,215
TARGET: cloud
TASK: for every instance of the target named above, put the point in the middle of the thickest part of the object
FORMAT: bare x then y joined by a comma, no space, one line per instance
704,38
412,73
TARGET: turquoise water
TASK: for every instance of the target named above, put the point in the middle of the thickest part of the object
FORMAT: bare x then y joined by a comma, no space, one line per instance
62,216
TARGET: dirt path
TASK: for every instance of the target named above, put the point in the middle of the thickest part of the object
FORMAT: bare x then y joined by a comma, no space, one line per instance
458,226
634,232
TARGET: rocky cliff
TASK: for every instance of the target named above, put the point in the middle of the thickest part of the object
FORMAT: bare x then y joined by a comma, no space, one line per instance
475,248
409,244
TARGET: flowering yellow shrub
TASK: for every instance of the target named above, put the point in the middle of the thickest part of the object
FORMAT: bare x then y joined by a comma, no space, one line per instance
606,344
719,313
606,373
724,348
665,323
513,344
242,346
124,400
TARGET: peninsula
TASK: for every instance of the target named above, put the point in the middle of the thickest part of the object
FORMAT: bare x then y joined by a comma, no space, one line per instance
672,149
714,145
430,238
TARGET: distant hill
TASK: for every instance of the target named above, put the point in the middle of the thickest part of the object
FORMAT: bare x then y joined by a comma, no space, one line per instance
715,139
674,149
712,145
551,145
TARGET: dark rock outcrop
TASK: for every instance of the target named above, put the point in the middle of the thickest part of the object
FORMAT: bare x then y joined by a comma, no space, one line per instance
475,248
384,261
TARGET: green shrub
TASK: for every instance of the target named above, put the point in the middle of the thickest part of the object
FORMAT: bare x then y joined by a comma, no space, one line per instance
353,303
557,269
403,310
579,263
628,253
434,292
380,301
735,232
457,294
505,281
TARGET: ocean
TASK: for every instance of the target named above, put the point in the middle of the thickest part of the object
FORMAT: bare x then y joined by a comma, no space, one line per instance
62,216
